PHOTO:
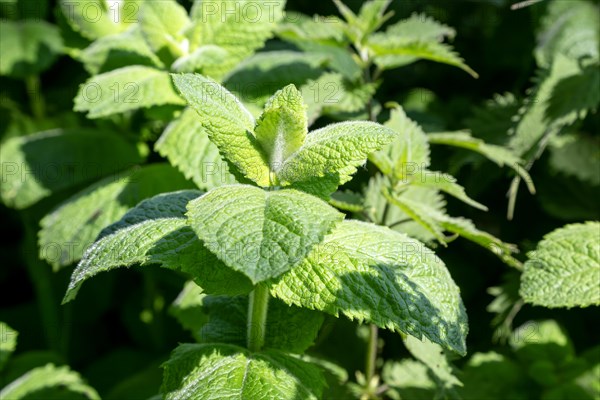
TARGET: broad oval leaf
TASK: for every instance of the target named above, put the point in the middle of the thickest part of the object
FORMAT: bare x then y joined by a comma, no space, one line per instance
156,232
228,123
371,273
37,165
260,233
227,372
564,270
74,225
125,89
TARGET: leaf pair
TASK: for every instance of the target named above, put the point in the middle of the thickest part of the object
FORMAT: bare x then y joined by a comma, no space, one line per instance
254,238
277,150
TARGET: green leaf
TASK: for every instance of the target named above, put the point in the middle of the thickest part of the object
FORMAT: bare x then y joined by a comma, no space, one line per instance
228,123
534,334
497,154
261,234
532,122
256,78
466,229
94,19
282,127
186,144
38,165
74,225
373,274
8,343
49,381
240,27
577,155
156,232
28,47
408,153
391,51
368,20
125,89
564,102
424,206
204,57
334,151
570,29
446,183
371,15
564,270
381,212
332,94
421,213
323,36
163,24
421,27
536,343
432,355
289,328
408,379
205,371
347,201
299,28
347,13
117,51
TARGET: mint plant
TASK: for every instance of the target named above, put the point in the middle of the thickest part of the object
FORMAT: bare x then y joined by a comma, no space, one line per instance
276,238
300,177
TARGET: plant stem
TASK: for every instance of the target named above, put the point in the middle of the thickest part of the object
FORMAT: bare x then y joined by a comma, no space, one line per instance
34,91
371,353
257,317
371,358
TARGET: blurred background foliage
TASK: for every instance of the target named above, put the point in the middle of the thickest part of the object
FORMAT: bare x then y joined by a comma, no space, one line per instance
122,326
